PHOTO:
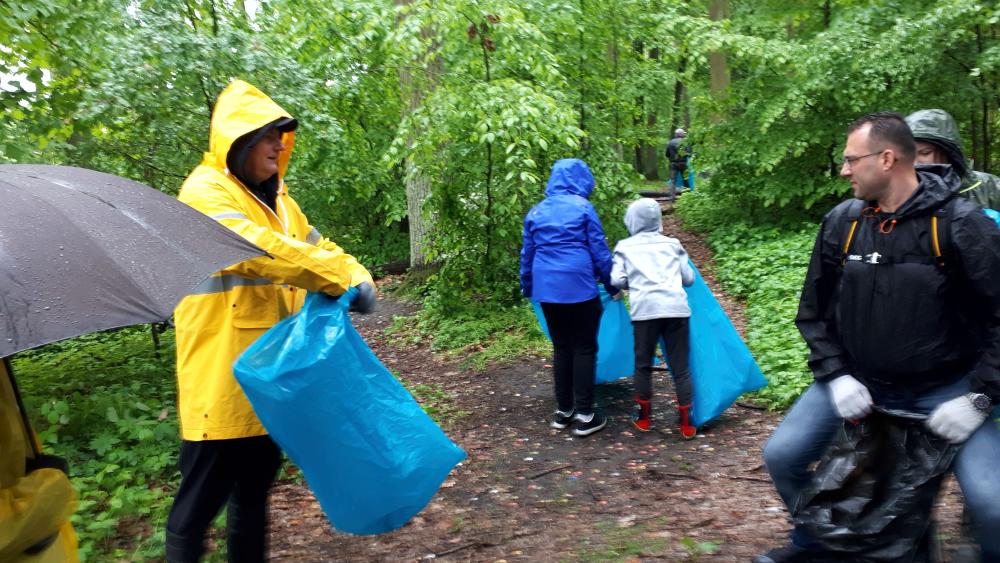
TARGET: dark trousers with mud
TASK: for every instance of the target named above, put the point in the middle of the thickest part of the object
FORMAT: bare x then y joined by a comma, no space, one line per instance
573,328
216,472
674,331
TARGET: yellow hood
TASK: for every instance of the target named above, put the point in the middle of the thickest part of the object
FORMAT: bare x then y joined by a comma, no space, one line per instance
240,109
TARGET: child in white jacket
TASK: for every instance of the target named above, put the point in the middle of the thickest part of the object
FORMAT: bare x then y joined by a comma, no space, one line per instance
654,268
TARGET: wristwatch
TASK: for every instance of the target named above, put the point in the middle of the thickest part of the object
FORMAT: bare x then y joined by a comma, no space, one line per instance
981,402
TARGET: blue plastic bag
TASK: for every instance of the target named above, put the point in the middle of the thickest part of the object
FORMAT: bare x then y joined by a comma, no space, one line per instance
722,367
615,354
370,454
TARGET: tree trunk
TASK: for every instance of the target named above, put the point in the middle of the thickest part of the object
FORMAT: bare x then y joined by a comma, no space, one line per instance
645,152
984,89
985,164
418,186
613,57
718,10
974,133
675,113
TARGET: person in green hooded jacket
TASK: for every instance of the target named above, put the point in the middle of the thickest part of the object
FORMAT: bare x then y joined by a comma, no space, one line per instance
938,142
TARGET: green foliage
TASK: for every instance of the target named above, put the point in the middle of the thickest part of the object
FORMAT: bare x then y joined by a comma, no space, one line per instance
106,403
764,265
793,93
479,333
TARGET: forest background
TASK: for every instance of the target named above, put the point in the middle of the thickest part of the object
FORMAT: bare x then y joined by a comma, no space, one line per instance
427,131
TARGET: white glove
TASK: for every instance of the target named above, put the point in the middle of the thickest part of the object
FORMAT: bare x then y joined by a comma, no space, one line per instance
956,420
850,397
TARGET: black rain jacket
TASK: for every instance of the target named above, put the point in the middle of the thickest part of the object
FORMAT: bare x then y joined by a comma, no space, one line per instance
676,153
898,319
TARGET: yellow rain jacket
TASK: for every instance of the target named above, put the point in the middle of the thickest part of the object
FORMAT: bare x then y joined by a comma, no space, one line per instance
224,315
35,506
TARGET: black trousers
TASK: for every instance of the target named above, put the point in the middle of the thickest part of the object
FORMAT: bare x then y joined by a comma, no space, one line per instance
238,471
573,328
674,332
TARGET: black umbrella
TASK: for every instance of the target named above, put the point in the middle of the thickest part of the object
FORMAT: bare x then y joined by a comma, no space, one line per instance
82,251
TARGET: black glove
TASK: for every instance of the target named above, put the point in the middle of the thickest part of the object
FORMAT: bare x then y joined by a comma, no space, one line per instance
364,301
43,461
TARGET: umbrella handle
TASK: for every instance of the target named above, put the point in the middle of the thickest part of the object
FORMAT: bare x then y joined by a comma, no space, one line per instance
20,407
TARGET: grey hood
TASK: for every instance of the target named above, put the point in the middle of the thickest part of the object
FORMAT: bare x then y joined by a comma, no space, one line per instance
653,267
644,216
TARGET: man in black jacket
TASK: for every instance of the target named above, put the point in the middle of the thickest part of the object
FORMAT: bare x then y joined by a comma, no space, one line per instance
900,309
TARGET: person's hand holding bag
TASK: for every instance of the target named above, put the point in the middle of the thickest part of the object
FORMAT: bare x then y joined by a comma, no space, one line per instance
364,301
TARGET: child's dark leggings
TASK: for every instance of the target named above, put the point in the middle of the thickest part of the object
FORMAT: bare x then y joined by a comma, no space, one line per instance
573,328
675,332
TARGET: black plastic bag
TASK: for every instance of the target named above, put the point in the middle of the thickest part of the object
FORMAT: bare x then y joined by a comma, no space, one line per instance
873,491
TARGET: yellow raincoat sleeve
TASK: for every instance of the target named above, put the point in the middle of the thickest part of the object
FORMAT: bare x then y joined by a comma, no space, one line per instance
359,273
33,507
327,269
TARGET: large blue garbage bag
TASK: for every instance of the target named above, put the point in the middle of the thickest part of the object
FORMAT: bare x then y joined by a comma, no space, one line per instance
370,454
615,348
722,367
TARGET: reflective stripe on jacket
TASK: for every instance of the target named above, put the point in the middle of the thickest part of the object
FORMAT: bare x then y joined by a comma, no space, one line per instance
231,309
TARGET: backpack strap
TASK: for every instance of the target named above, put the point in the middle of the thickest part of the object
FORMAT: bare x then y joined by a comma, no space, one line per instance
941,232
851,218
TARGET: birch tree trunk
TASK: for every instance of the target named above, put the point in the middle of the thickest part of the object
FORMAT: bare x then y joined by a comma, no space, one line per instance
418,186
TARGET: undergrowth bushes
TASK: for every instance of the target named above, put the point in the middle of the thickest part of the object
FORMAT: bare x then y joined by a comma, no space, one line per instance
106,403
479,333
763,265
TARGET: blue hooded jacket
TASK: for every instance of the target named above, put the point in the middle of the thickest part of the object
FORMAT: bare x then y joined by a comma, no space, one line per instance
564,251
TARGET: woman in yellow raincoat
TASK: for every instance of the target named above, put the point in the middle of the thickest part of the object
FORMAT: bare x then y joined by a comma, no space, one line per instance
35,505
226,455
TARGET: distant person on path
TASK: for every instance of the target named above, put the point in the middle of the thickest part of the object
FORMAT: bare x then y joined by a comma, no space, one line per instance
226,455
677,154
889,322
564,255
654,269
938,142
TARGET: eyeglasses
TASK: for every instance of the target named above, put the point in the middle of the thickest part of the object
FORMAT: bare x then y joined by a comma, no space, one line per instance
849,161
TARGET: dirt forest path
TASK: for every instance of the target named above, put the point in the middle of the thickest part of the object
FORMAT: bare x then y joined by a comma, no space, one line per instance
531,493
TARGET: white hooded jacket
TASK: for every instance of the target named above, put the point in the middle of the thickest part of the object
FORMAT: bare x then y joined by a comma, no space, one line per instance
653,267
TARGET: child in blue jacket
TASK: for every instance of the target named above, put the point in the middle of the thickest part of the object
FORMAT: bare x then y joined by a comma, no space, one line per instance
563,256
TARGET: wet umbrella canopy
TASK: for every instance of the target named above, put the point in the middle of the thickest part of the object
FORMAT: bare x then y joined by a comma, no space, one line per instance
82,251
